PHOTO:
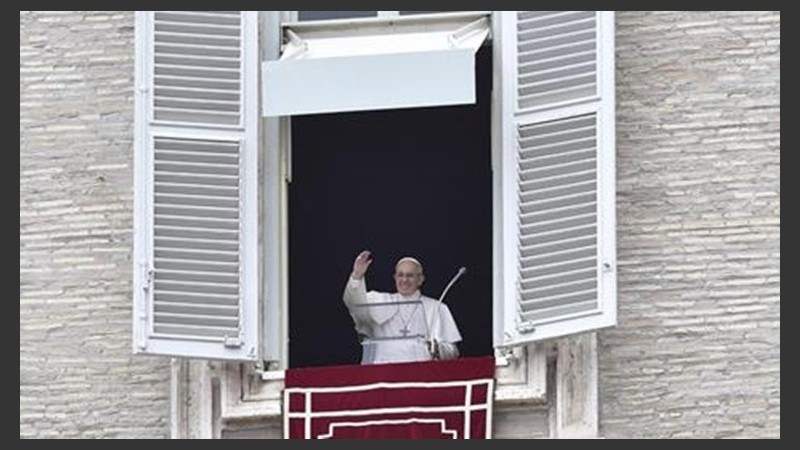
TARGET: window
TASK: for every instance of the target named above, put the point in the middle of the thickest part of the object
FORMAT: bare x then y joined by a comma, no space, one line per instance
209,253
411,181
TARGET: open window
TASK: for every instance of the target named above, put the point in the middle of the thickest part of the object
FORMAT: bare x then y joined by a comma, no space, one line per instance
401,173
211,248
411,181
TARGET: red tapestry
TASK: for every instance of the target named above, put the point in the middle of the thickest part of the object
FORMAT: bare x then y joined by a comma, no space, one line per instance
427,400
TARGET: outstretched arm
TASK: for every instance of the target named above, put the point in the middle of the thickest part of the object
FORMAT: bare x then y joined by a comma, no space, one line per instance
361,265
355,291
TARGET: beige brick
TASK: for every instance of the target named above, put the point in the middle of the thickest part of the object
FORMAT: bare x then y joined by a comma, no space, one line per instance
697,350
698,196
78,377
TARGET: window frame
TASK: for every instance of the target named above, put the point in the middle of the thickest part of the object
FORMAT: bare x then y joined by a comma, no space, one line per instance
380,16
277,153
503,166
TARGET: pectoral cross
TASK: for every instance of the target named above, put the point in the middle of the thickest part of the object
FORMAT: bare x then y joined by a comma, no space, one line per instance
406,321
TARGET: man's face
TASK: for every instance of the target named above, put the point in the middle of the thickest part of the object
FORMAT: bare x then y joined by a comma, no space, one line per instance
407,278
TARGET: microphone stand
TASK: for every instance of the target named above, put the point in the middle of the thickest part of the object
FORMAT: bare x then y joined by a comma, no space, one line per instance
434,349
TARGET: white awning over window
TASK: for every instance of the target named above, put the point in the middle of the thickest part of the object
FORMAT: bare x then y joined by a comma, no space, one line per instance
374,64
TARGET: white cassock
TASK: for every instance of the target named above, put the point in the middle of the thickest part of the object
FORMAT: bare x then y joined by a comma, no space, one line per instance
400,332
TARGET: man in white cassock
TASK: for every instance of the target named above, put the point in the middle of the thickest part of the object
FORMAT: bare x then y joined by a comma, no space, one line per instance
403,326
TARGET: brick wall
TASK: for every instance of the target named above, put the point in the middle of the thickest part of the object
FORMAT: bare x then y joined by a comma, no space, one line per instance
77,376
697,350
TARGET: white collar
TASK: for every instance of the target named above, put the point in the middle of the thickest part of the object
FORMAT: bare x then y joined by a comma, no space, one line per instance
413,296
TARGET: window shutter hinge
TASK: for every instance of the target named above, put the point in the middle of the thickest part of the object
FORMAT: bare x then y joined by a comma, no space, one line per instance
607,267
147,276
525,328
232,342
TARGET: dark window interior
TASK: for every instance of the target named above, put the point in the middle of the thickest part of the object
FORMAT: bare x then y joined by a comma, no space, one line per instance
397,182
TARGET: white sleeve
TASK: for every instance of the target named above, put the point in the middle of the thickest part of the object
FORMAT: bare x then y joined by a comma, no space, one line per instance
446,329
447,350
446,334
355,293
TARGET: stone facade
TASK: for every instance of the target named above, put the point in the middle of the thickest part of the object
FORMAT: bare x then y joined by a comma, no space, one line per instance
697,349
77,375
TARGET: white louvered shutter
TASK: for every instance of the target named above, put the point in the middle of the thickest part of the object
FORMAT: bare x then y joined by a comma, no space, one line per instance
195,188
557,132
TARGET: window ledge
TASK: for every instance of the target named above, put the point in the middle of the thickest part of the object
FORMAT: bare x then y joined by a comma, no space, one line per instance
247,394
